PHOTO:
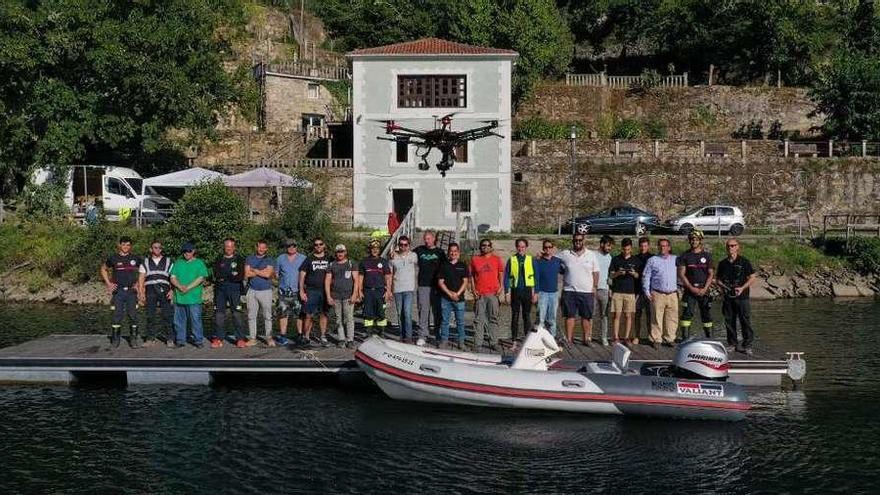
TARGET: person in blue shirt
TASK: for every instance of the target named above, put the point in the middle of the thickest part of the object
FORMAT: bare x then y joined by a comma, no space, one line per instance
287,267
258,270
660,285
547,269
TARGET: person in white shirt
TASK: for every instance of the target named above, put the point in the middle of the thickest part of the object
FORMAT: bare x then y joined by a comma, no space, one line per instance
580,278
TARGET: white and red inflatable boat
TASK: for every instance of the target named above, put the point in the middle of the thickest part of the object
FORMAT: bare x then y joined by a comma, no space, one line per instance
694,386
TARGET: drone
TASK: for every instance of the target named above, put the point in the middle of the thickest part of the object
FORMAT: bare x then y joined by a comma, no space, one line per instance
441,137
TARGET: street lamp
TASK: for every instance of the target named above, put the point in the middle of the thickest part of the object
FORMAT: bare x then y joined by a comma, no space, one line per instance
572,136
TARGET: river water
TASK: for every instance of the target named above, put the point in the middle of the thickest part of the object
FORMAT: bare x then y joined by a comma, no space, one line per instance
311,438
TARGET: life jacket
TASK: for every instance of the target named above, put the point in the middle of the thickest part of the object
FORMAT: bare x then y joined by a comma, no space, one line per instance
529,267
157,273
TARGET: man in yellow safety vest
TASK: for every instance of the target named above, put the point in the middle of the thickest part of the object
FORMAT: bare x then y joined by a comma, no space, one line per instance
519,288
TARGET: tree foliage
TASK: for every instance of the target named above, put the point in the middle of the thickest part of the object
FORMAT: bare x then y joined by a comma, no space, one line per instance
92,80
534,28
848,95
205,215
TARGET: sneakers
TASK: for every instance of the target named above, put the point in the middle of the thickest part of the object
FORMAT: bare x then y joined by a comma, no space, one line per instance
169,343
180,345
748,351
340,344
350,344
324,342
199,344
420,342
241,343
216,343
251,342
635,341
604,342
282,340
270,342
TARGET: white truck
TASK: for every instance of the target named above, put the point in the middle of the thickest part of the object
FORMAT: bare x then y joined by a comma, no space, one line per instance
116,189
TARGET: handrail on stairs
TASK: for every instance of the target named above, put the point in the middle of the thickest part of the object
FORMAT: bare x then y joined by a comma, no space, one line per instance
407,228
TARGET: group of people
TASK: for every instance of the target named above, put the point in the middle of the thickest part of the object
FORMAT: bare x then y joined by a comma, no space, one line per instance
427,284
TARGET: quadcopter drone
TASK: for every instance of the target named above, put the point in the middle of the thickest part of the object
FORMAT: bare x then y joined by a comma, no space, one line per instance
441,137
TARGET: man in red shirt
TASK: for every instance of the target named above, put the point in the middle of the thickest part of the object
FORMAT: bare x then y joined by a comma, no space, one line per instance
487,279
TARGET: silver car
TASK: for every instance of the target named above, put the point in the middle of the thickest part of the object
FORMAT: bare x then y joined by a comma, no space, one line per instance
712,218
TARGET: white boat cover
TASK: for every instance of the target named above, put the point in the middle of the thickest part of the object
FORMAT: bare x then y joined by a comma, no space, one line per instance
265,177
184,178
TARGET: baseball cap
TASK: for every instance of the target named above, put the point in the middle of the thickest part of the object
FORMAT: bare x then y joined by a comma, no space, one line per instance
340,247
187,247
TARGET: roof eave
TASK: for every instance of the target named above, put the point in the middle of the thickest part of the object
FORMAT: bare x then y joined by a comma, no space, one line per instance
510,56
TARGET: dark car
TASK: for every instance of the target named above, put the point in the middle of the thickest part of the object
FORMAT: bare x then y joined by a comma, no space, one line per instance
621,219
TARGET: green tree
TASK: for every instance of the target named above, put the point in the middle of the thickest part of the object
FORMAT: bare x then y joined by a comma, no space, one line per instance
536,30
206,215
847,93
84,80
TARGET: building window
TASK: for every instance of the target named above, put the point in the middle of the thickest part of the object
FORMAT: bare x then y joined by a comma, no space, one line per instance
461,200
402,151
431,91
461,153
314,91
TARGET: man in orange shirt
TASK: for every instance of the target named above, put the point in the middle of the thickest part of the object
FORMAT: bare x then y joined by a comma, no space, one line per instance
487,278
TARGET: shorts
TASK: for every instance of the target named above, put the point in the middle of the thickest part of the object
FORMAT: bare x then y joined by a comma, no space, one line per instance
289,306
316,303
623,303
576,304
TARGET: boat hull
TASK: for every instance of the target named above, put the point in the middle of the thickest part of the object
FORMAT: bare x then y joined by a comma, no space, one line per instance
407,373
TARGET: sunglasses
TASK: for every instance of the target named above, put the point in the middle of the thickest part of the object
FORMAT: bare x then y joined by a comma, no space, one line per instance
548,247
318,244
732,245
403,244
485,245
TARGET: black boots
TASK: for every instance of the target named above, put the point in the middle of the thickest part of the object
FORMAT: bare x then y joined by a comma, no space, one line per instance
115,336
135,338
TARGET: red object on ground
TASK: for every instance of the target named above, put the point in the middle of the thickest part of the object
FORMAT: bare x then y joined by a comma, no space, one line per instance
393,222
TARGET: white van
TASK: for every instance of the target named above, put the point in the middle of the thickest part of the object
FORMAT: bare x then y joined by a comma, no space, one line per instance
115,188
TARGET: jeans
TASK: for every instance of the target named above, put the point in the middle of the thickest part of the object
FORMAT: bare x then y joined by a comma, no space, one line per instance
600,317
446,309
403,302
259,301
486,319
548,304
429,304
157,299
193,313
227,295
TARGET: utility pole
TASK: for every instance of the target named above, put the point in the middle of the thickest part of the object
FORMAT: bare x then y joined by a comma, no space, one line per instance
571,182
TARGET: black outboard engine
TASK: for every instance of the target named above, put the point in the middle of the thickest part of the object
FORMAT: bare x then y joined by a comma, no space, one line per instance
700,360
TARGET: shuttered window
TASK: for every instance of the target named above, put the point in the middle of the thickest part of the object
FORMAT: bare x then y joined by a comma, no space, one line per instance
432,91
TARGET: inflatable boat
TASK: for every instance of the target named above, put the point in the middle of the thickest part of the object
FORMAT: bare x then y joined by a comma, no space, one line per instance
694,386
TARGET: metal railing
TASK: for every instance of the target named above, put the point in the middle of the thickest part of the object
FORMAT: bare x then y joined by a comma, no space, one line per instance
850,224
335,163
309,70
603,80
407,228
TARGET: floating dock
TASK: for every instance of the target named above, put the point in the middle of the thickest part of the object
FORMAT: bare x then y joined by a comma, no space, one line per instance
68,359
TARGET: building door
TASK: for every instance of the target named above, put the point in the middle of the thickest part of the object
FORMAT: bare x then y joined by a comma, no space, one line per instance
402,201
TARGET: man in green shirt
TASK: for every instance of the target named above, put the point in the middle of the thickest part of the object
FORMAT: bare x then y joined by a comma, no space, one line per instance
187,276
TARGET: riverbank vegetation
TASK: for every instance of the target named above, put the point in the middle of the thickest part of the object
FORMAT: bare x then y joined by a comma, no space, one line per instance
38,252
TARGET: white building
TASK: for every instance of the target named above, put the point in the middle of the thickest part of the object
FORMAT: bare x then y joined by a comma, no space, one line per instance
412,84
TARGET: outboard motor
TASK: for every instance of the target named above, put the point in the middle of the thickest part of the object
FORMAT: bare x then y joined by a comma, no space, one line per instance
537,347
701,360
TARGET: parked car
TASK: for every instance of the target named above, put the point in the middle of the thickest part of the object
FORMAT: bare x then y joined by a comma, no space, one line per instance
620,219
712,218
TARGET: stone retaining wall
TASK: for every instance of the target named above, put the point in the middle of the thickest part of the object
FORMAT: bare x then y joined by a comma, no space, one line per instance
772,192
688,113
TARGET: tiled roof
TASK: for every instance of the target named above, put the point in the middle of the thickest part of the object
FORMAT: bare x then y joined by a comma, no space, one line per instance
431,46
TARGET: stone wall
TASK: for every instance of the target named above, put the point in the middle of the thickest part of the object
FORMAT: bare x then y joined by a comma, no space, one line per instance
778,192
249,147
696,112
287,99
645,148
